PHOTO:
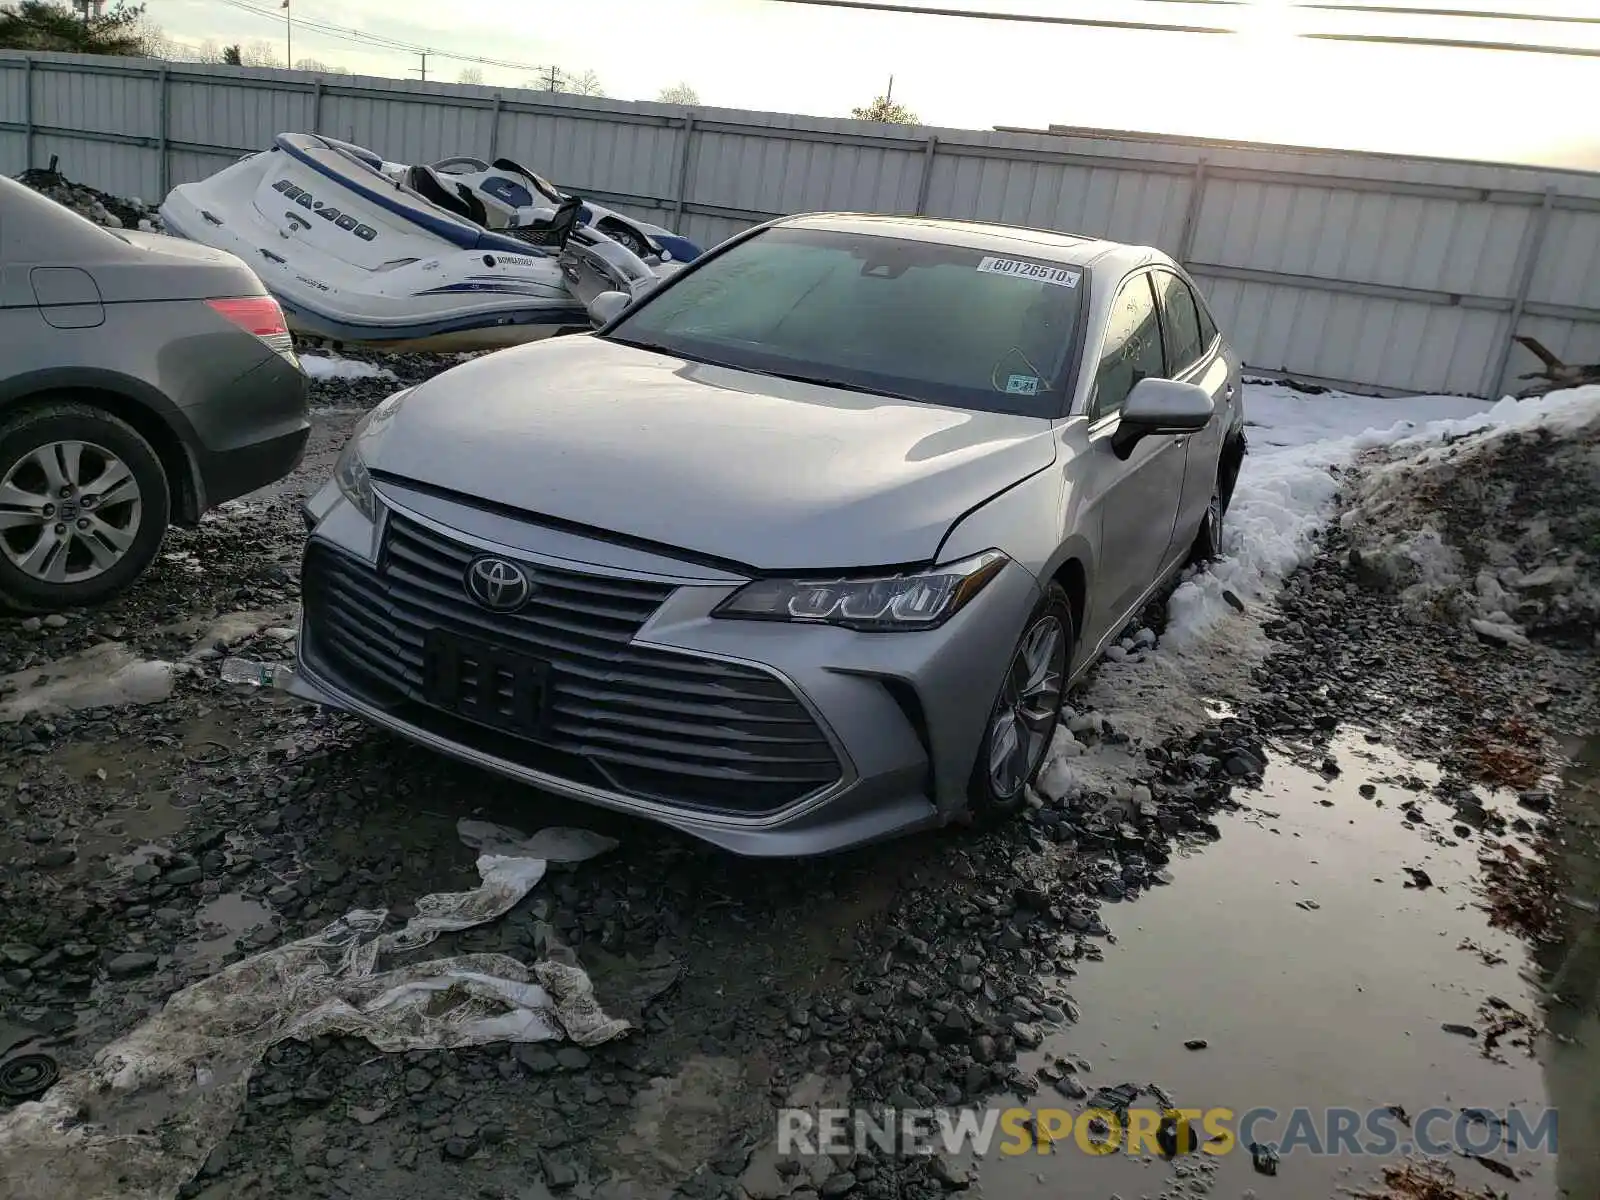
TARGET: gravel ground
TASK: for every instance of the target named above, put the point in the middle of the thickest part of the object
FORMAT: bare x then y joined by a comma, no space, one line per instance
146,846
142,847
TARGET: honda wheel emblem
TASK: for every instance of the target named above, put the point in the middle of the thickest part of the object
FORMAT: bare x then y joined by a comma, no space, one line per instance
498,584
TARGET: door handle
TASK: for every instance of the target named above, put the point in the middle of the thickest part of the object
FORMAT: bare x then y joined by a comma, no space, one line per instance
1179,441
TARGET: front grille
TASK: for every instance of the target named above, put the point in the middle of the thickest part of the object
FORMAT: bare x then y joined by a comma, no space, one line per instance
654,724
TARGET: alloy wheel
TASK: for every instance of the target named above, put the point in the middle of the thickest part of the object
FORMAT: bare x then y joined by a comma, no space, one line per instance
1030,703
69,511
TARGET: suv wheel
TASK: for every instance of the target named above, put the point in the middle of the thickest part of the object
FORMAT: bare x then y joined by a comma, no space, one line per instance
83,507
1025,714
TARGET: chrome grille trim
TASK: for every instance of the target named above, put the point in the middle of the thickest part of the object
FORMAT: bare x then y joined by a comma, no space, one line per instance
654,724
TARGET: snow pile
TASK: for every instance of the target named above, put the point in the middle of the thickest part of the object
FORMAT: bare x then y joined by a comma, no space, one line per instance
1486,514
1302,451
114,212
1299,445
1496,529
323,367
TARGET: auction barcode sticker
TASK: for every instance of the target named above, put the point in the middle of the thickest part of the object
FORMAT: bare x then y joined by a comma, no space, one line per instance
1017,269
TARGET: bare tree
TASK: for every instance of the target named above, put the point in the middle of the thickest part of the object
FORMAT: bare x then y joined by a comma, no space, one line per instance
153,40
317,66
473,75
587,84
209,51
259,53
554,79
679,93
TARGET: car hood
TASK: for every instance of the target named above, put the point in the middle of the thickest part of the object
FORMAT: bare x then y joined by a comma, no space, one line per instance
724,464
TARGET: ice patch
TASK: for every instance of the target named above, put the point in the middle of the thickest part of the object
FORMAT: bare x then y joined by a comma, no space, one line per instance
141,1119
229,629
100,676
323,367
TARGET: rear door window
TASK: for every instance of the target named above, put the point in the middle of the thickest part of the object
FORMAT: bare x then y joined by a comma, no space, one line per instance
1180,323
1131,350
1208,327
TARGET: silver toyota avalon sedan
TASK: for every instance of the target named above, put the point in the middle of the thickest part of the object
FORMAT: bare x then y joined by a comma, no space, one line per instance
798,551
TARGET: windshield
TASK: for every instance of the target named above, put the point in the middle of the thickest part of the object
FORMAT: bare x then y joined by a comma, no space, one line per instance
917,320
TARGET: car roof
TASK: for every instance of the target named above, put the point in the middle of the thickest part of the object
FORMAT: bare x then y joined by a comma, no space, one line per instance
1066,249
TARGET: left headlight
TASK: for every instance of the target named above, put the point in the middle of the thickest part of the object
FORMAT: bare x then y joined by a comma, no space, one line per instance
918,600
350,472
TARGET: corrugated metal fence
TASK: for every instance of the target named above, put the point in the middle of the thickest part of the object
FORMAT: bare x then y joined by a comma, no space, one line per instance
1372,271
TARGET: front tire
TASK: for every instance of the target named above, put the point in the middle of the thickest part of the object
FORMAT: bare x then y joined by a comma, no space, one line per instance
1023,720
84,504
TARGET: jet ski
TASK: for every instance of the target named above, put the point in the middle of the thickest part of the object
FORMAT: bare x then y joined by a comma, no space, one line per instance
358,257
515,197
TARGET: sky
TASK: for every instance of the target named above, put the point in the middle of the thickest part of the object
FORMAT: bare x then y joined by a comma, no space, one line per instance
1262,84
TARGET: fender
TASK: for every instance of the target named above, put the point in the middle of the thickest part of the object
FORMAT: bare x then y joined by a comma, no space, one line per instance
135,394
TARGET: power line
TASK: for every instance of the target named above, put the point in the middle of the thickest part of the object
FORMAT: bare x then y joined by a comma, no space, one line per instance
1455,44
1398,10
1030,18
382,41
353,35
1041,19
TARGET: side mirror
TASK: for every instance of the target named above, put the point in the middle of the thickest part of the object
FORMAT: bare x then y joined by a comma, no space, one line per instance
1161,406
607,307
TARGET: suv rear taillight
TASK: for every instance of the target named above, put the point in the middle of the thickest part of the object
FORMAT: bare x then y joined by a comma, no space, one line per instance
260,316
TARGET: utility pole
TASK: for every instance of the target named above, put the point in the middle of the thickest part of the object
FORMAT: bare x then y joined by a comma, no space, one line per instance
555,80
424,71
888,96
288,36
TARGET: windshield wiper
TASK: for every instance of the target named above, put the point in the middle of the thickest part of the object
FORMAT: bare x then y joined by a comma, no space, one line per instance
842,385
793,377
670,351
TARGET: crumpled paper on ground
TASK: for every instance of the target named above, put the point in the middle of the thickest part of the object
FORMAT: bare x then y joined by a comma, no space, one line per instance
141,1119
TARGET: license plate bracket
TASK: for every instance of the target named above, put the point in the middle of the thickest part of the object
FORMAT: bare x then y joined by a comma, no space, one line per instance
486,683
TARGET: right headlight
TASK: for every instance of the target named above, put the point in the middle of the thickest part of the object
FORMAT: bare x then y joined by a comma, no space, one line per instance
916,600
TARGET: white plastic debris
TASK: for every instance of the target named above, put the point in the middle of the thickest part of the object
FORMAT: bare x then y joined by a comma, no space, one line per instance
141,1119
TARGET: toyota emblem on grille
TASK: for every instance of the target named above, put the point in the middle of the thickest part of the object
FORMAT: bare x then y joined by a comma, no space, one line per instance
498,584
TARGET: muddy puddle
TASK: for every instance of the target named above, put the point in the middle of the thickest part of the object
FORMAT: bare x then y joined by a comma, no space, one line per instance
1307,969
220,922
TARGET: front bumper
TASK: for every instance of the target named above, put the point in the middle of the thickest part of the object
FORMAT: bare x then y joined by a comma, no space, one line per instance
901,713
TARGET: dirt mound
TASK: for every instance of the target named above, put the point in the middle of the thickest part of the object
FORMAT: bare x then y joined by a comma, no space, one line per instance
115,212
1497,531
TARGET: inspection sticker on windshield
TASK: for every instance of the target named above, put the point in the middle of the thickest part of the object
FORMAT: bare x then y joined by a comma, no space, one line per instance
1017,269
1022,385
